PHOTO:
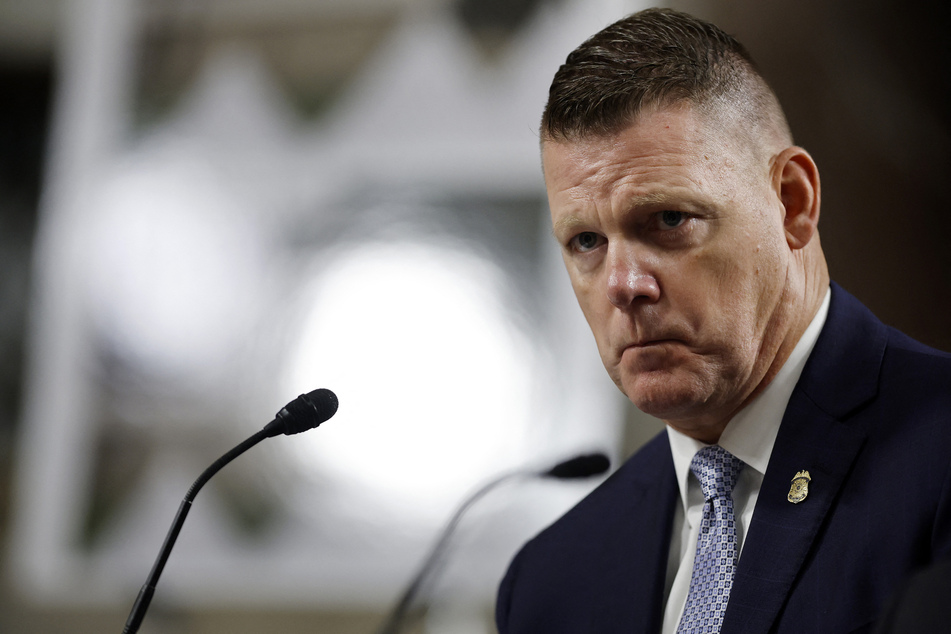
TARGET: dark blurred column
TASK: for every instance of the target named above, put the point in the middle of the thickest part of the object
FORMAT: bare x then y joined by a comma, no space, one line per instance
24,109
866,88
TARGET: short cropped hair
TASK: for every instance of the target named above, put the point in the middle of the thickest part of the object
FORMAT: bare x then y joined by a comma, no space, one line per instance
658,58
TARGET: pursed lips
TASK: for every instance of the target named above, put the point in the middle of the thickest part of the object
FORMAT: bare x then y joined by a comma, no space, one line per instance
648,343
650,333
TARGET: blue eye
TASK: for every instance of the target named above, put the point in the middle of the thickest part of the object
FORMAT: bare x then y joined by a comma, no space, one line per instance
586,240
672,219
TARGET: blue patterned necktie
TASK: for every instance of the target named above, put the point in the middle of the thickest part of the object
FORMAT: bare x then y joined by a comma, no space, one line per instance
715,561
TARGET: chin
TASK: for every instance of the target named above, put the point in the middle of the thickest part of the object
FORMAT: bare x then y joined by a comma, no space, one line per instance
665,397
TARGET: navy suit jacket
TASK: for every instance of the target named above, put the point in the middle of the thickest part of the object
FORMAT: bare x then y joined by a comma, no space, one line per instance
870,419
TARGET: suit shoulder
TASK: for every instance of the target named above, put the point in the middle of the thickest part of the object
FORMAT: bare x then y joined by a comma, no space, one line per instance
903,348
859,362
582,571
640,481
915,374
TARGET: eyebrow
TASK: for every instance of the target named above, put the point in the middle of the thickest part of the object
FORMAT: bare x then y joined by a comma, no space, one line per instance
652,200
566,225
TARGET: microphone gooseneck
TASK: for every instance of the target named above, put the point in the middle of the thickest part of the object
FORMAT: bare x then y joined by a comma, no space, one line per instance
305,412
582,466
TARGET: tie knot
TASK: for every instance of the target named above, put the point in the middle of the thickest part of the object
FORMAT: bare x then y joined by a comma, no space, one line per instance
717,470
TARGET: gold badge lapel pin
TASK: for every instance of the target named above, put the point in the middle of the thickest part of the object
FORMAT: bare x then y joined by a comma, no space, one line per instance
799,488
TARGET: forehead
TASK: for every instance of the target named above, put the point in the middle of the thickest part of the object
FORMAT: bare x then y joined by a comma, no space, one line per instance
672,137
673,158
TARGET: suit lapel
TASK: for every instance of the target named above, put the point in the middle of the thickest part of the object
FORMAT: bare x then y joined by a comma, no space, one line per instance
781,533
815,435
631,581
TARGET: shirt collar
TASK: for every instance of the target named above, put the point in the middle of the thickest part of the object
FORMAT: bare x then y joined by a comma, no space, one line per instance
751,433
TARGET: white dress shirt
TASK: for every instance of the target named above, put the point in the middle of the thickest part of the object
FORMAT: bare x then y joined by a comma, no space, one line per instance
749,436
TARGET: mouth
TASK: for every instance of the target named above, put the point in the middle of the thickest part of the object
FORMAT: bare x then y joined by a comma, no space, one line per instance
649,343
651,351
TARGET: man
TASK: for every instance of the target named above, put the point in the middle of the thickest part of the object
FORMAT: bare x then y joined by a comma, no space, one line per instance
806,465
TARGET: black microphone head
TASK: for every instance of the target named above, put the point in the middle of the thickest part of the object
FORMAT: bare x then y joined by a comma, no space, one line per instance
584,466
305,412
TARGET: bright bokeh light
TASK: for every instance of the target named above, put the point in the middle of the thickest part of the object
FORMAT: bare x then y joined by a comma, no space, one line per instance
174,267
433,378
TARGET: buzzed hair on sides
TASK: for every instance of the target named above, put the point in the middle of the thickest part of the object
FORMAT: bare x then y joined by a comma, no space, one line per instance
655,59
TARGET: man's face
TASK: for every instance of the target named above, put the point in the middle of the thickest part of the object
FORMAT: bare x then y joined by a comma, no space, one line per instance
673,238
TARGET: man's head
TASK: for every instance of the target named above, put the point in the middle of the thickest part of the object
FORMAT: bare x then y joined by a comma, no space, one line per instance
686,218
652,60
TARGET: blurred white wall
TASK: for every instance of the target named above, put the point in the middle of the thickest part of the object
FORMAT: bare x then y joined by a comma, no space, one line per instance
195,272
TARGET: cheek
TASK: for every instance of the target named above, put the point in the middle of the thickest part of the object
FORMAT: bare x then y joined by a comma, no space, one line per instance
750,289
591,303
710,284
597,312
728,291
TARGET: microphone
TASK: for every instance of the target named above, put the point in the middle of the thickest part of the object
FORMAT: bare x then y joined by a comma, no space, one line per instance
581,466
305,412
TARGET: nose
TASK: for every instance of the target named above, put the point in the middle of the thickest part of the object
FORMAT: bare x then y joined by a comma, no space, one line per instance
630,282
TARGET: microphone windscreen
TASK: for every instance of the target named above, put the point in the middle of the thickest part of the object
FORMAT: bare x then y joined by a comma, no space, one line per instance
307,411
583,466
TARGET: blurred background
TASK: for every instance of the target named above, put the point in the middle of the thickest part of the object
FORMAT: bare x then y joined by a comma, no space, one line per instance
208,207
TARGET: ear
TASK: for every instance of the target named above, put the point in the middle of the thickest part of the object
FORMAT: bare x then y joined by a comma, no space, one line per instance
796,181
